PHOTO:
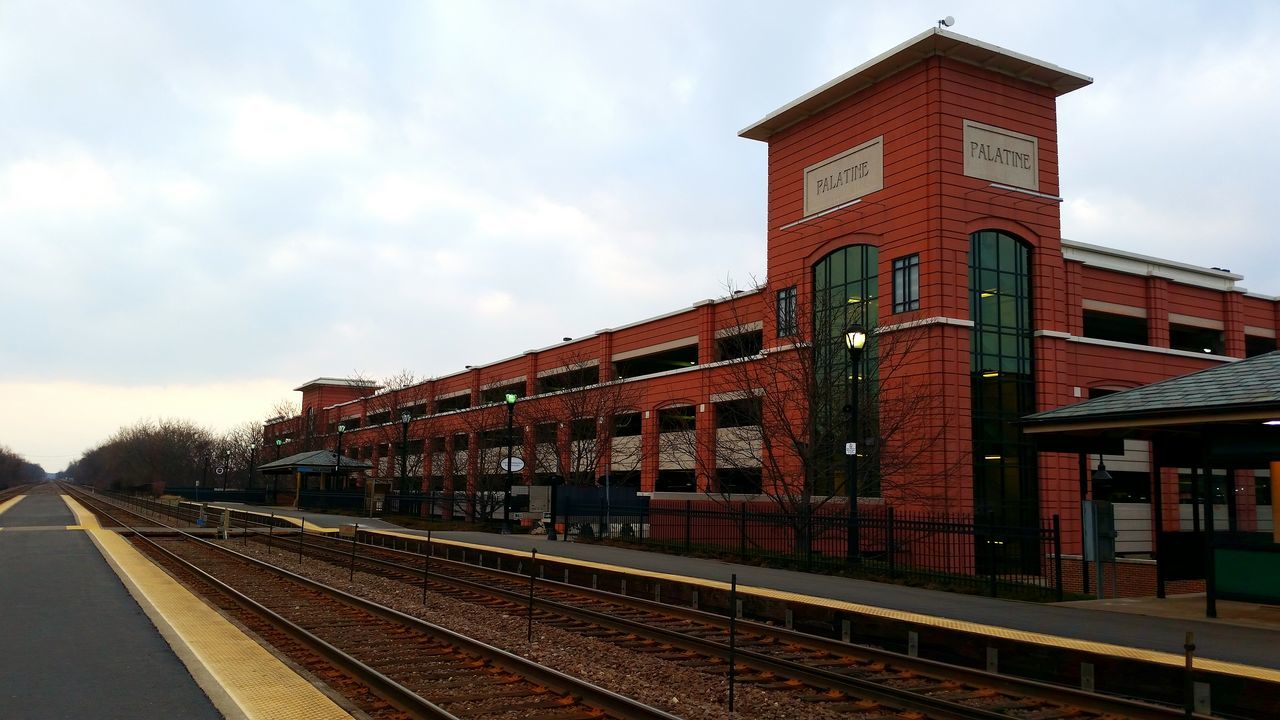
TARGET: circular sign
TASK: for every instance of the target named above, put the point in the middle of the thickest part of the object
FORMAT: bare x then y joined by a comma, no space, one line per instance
516,464
218,471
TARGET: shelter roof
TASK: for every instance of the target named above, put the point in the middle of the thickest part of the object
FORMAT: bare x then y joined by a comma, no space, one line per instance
314,458
1239,391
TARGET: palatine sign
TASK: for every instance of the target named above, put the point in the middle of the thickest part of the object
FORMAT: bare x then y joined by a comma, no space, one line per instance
1002,156
845,177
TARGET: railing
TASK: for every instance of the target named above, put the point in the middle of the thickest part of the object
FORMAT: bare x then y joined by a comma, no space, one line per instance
947,551
217,494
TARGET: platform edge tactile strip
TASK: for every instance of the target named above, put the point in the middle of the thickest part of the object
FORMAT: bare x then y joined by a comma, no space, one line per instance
1027,636
241,677
4,506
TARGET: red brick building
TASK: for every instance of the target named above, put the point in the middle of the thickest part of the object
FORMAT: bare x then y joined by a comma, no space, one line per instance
917,196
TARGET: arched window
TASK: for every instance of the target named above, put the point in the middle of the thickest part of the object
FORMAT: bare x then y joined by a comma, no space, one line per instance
845,291
1006,491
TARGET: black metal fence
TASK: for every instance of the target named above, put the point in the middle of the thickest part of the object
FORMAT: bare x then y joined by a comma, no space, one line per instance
948,551
217,494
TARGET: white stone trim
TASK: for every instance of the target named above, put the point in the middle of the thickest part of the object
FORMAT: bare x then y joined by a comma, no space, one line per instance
1145,265
736,395
1193,321
454,394
1259,331
660,347
501,383
1113,308
593,362
937,320
740,329
1150,349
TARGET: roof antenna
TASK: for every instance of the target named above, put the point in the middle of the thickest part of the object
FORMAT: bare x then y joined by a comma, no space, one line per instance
946,22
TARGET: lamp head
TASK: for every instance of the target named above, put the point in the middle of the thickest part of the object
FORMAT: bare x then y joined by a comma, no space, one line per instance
511,398
341,428
1101,474
405,417
855,337
279,442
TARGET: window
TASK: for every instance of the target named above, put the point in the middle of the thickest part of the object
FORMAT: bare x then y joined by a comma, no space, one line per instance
906,283
1006,488
680,418
437,444
1195,339
738,346
1254,345
738,413
787,311
657,362
457,402
461,441
626,424
1118,328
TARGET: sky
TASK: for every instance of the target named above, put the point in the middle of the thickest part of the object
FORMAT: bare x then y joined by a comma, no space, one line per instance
203,205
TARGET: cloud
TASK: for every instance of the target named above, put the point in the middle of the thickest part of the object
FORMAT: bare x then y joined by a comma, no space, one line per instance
270,131
64,184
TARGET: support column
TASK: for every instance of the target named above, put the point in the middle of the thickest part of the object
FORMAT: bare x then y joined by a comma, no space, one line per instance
1233,325
1157,311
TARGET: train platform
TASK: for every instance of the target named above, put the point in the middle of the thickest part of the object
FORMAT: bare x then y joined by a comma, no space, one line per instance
1241,641
91,628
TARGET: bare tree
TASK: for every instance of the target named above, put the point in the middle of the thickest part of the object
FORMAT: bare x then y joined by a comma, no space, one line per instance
485,429
783,410
401,461
575,421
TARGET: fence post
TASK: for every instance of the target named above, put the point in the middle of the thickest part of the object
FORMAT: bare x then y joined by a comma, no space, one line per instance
688,525
600,525
889,543
742,531
1057,557
991,558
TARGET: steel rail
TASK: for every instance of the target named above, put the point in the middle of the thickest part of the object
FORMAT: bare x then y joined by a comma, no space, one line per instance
1066,696
613,703
389,689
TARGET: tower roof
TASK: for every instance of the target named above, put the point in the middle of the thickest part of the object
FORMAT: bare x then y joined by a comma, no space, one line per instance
930,43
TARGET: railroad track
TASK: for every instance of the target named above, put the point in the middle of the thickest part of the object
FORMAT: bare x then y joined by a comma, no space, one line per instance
836,676
416,668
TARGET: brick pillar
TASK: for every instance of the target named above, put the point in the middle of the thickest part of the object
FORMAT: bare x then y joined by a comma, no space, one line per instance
1233,330
706,445
473,463
1075,304
473,378
429,388
1170,499
447,474
531,373
648,450
1246,494
706,331
606,355
1157,311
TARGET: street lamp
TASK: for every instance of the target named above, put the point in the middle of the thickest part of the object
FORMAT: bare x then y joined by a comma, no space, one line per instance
226,470
506,491
337,457
855,339
405,417
253,460
276,475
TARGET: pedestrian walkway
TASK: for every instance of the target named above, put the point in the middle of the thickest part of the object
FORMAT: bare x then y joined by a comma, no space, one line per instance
94,629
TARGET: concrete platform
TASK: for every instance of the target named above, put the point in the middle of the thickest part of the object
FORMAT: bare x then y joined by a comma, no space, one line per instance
83,641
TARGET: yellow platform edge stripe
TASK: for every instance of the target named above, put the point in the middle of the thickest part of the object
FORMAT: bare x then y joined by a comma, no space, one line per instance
1099,648
241,678
10,503
309,527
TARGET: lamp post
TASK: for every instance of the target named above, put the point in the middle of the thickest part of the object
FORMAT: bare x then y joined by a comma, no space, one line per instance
337,457
506,491
253,460
226,470
855,339
275,475
405,417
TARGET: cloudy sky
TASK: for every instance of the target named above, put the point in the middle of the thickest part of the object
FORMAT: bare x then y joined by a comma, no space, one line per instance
204,204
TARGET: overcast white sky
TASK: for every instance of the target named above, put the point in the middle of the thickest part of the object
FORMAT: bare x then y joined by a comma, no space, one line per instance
204,204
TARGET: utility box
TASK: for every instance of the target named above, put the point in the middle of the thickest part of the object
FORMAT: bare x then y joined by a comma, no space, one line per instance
347,531
539,499
1099,531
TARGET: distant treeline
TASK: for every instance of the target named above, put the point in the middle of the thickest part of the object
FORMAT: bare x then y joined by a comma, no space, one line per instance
15,470
157,453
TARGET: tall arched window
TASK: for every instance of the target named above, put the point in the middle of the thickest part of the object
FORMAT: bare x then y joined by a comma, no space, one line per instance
845,291
1006,491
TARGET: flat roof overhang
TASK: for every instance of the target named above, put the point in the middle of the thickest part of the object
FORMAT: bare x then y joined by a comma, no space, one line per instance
931,43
